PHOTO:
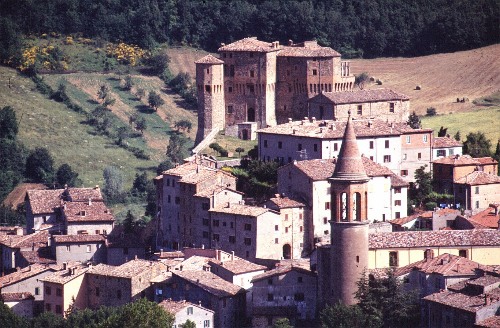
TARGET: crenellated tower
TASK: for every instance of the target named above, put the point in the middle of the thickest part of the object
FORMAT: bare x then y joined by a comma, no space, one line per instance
210,90
349,224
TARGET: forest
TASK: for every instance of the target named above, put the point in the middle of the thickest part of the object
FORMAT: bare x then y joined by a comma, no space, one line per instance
356,28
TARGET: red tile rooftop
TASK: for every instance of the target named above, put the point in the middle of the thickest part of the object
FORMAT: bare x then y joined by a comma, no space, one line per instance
16,297
60,239
128,270
286,202
209,59
444,264
213,190
176,306
307,49
486,218
64,276
464,160
479,178
249,44
238,265
364,96
85,211
46,201
37,239
282,269
210,282
469,303
491,322
445,142
482,237
25,273
240,209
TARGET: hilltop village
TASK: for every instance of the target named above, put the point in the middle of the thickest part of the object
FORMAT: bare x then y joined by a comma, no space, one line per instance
212,256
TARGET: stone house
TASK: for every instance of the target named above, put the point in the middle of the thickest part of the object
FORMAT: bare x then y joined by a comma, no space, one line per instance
445,146
22,304
429,220
65,289
183,311
383,104
210,291
265,83
308,180
447,170
122,247
118,285
465,304
82,248
27,281
289,290
87,217
477,190
184,196
487,219
394,145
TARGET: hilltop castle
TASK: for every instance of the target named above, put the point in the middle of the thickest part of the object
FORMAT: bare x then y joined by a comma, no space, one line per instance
256,84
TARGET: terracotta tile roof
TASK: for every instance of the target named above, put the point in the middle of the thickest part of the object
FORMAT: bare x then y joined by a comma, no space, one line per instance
210,283
486,218
463,160
46,201
65,276
85,211
445,142
175,307
193,173
286,202
194,263
215,189
402,221
42,255
16,297
478,178
37,239
463,301
209,59
444,264
60,239
491,322
17,196
240,209
25,273
129,269
307,49
364,96
328,129
238,265
322,169
9,230
249,44
483,237
282,269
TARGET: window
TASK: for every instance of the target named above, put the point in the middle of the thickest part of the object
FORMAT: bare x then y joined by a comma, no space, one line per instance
327,205
441,152
206,323
299,147
286,217
248,242
419,156
397,202
387,144
391,107
232,239
190,310
451,152
125,250
280,144
270,297
206,222
335,147
231,224
387,158
216,237
360,109
276,240
59,292
405,157
207,88
477,191
425,138
477,204
48,307
315,147
68,248
299,297
371,144
230,109
119,294
265,143
404,173
177,200
299,280
326,232
205,234
37,290
325,220
315,72
276,228
270,281
398,215
462,253
393,259
97,291
215,223
252,74
286,229
48,290
229,90
408,139
248,226
397,190
301,228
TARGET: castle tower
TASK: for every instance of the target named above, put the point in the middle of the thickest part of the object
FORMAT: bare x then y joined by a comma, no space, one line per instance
349,236
210,90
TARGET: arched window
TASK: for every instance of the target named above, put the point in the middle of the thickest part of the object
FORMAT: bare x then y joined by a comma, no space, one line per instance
287,252
343,206
356,207
251,115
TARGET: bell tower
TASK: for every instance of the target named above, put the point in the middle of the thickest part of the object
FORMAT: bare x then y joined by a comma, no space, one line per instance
210,91
349,224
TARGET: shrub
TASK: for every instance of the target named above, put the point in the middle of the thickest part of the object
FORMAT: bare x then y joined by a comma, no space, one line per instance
431,111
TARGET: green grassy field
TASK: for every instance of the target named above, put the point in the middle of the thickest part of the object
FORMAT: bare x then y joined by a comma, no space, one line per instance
483,119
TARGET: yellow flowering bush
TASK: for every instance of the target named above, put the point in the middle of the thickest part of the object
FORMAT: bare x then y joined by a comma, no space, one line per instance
47,58
125,54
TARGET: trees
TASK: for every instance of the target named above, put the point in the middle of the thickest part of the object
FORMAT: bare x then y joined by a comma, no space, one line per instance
282,323
361,79
188,324
239,150
442,131
422,187
113,183
140,314
128,83
154,100
343,316
8,123
457,136
431,111
141,124
140,93
183,125
66,176
414,121
477,145
177,148
40,166
140,183
103,92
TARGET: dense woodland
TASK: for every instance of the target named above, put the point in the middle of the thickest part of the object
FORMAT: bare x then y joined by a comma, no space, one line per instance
354,27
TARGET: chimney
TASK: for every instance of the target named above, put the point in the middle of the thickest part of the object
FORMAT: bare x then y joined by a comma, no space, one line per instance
135,257
202,246
313,119
487,299
161,252
72,270
90,201
289,120
290,42
97,187
428,254
65,265
232,255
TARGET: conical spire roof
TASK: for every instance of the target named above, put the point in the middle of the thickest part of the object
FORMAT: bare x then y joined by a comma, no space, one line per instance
349,165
